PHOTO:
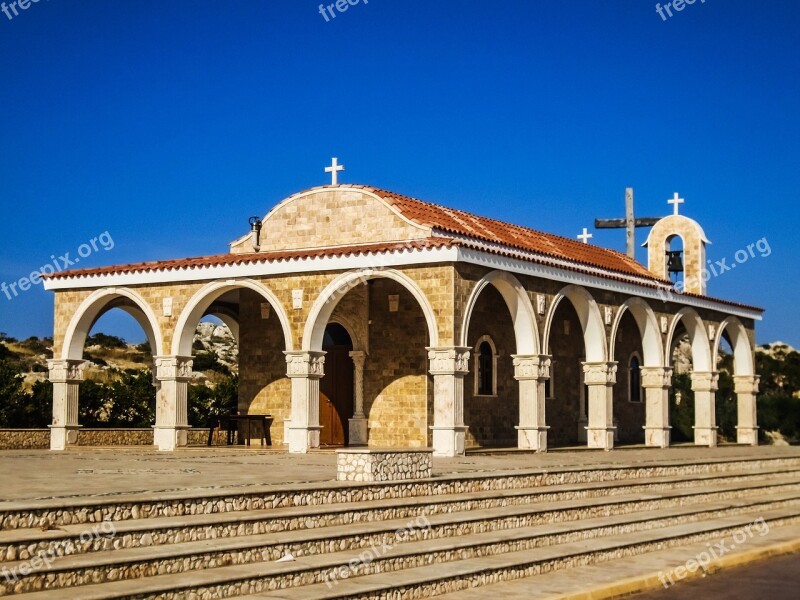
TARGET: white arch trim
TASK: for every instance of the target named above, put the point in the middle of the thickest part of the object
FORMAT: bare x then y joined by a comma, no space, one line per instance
740,343
591,321
519,305
205,296
698,337
94,306
647,323
326,302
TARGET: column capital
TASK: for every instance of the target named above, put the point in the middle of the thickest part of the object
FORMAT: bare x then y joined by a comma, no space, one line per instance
746,384
656,377
705,381
307,363
449,360
599,373
531,366
358,356
173,368
65,370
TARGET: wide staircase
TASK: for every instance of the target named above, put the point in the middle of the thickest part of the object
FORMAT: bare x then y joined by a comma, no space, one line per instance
393,540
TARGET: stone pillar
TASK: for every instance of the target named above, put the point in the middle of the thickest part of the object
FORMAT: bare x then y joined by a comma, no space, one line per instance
746,388
531,372
704,386
600,379
66,376
304,369
656,382
173,374
448,367
358,424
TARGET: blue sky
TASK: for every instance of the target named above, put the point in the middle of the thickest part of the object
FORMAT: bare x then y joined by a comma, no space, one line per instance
168,124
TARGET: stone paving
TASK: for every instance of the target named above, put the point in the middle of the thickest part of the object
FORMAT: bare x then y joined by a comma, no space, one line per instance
80,472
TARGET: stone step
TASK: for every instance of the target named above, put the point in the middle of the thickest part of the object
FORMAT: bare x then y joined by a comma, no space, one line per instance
58,512
405,568
654,571
693,505
21,543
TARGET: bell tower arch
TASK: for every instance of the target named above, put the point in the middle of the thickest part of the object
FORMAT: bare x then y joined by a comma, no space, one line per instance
694,249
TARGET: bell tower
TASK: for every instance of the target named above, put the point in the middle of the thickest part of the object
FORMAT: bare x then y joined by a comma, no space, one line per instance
693,258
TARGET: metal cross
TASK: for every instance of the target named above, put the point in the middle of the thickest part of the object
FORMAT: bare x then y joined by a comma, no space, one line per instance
629,223
585,236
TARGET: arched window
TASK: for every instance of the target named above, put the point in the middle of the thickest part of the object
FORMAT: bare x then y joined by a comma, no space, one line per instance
635,379
485,367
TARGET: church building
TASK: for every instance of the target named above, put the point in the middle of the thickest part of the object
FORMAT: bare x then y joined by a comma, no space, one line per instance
365,317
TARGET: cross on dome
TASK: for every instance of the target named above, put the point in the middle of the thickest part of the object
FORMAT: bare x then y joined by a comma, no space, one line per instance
585,236
676,201
334,171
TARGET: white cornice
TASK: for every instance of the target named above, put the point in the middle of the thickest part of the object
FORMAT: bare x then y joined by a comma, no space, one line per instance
556,271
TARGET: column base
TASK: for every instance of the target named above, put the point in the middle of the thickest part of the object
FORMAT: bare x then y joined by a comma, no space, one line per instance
303,439
62,436
359,433
449,441
532,438
657,437
705,436
583,424
167,439
600,438
287,425
747,435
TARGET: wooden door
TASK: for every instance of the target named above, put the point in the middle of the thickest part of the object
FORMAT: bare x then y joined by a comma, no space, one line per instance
336,397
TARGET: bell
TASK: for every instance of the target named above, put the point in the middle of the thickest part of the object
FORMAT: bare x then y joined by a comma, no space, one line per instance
674,261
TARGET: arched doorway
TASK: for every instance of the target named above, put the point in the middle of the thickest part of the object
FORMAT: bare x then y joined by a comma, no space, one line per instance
336,388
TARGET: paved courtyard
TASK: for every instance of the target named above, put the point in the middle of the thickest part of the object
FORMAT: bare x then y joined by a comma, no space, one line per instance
42,474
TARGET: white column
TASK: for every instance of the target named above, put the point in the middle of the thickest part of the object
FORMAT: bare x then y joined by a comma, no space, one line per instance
531,372
746,388
304,369
656,382
448,367
358,424
704,386
172,425
66,377
599,379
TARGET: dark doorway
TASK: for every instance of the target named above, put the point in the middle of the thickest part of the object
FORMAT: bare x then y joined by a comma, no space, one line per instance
336,388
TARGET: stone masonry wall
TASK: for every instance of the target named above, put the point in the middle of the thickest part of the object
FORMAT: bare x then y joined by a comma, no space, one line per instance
395,372
491,419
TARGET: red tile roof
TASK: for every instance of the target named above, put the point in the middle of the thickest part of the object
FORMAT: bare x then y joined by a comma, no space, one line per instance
503,238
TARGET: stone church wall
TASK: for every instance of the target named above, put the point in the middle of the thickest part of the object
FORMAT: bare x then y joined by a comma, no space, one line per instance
395,372
491,419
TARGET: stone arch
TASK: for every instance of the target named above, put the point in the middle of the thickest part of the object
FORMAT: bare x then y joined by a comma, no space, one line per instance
743,362
358,343
645,318
519,305
694,250
96,305
701,350
205,297
591,321
327,300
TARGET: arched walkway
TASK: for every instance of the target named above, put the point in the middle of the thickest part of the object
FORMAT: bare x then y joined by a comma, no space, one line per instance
744,378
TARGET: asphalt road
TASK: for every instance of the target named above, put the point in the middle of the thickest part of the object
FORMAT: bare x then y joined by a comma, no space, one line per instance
773,579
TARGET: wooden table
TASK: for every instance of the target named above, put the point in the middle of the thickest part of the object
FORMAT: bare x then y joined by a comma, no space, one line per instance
231,425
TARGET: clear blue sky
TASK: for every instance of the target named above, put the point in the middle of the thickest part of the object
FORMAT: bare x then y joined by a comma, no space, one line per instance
168,124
